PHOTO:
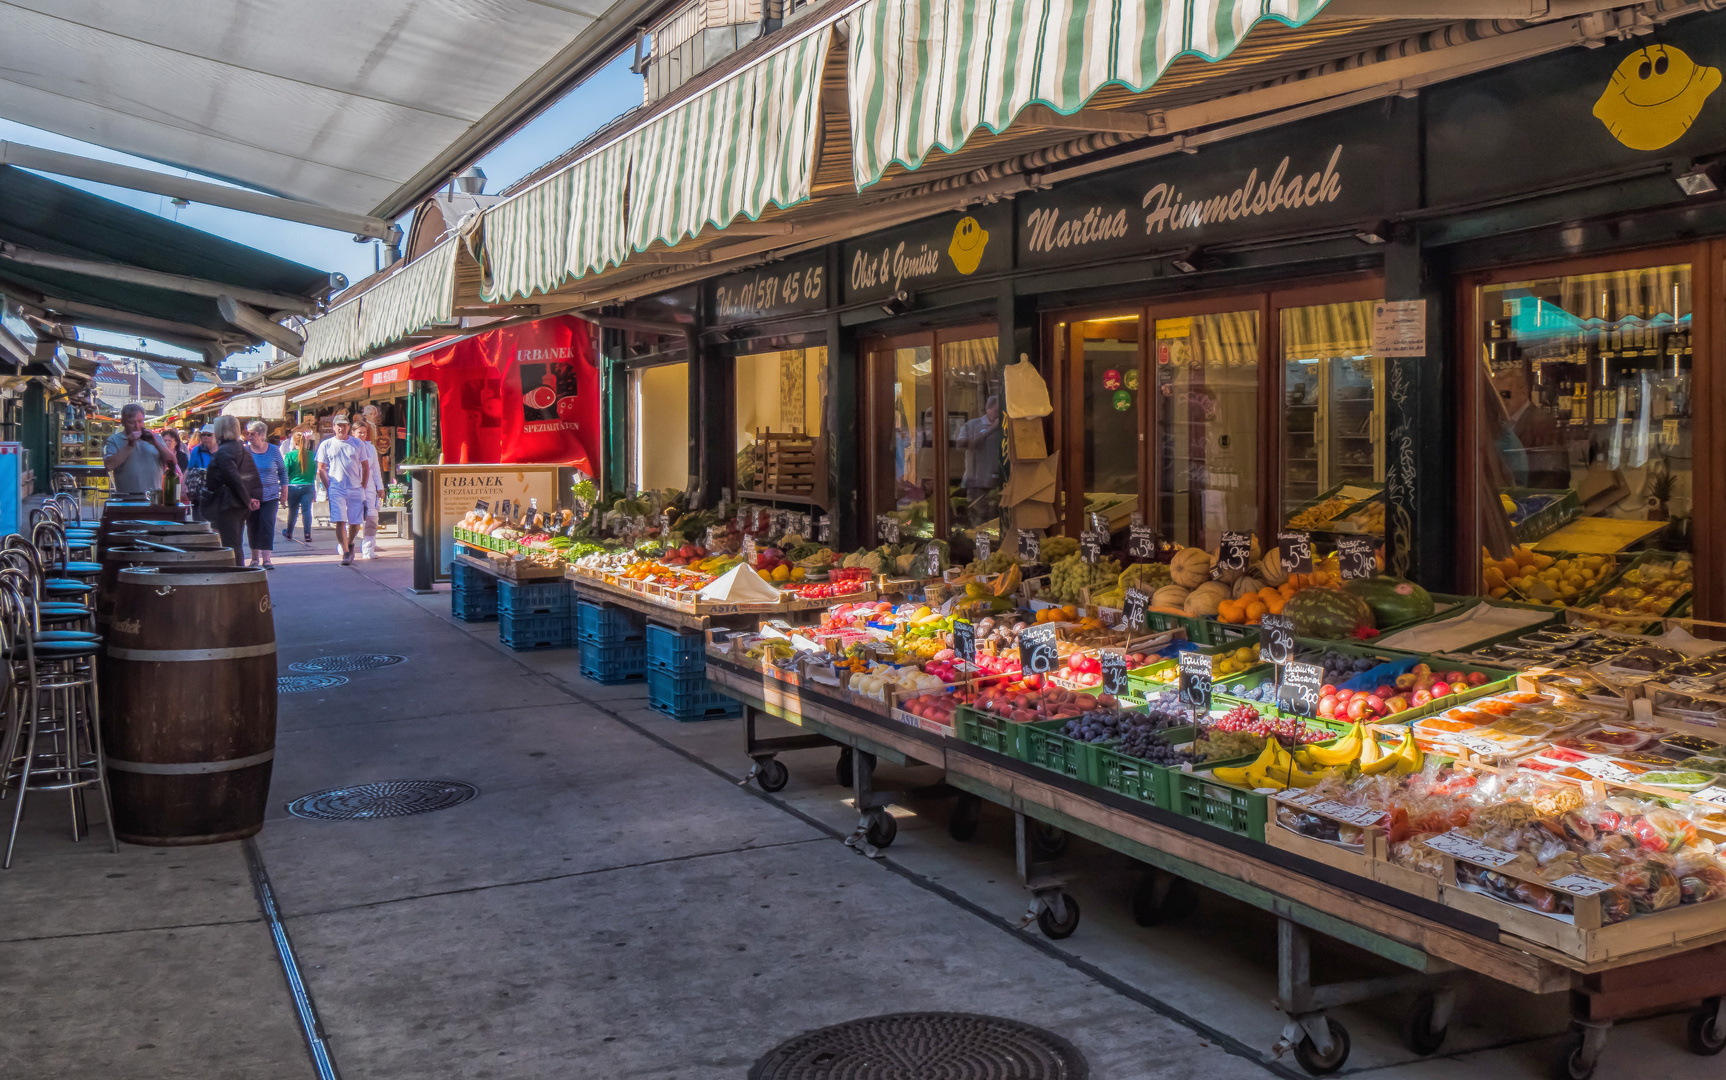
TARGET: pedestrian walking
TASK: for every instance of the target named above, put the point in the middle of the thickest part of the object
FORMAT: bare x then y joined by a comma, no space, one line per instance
302,483
135,457
272,477
367,433
232,488
343,468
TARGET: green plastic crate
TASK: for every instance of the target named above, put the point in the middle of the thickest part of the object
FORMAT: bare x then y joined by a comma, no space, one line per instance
1560,512
1040,742
986,730
1198,796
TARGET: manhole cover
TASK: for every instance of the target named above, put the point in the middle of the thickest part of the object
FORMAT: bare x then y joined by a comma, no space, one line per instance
389,798
300,684
924,1046
348,662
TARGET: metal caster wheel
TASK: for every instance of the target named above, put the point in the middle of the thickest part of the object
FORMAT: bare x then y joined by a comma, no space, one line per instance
1418,1033
1047,841
1704,1033
967,812
772,775
1306,1052
842,768
1054,930
1568,1061
881,828
1162,898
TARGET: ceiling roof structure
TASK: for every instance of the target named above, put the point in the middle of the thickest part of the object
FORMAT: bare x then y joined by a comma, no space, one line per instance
362,107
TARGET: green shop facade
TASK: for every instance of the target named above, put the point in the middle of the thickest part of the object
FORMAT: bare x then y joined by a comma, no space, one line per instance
1457,320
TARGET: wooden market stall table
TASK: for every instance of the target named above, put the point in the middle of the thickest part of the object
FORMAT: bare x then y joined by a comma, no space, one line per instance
1434,941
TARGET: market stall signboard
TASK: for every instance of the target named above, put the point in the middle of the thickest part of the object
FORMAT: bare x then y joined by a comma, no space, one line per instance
1114,673
942,250
1090,548
1355,557
792,287
461,488
1141,542
1324,172
1133,604
1235,551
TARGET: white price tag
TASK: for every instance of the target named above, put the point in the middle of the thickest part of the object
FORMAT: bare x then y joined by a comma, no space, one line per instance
1607,770
1477,744
1469,850
1362,816
1715,795
1580,885
1298,797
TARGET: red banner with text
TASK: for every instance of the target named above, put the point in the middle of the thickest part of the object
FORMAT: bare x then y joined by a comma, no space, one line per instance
524,394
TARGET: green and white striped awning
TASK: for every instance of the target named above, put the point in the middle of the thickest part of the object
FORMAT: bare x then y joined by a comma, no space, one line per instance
925,74
731,150
418,295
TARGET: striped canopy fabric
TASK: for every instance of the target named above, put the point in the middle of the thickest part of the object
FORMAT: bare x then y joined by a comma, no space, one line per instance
731,150
925,74
416,296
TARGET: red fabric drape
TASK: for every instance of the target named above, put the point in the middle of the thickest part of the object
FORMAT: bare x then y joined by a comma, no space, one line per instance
525,394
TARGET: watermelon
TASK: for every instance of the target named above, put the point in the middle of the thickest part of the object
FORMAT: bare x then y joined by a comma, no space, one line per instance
1323,612
1393,601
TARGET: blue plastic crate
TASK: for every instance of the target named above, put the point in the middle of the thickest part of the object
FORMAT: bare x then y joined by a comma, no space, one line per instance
676,652
534,598
609,665
463,576
602,624
473,606
688,697
535,631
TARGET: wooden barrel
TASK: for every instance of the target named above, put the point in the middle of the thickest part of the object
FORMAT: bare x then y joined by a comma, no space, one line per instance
123,556
120,511
189,703
111,532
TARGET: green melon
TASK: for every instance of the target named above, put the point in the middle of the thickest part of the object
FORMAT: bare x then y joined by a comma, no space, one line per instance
1393,601
1322,612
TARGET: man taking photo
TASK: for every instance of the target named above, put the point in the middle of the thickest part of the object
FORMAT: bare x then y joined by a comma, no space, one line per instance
135,457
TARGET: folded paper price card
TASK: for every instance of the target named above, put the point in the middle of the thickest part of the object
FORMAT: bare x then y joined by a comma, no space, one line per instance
1607,770
1468,849
1580,885
1715,795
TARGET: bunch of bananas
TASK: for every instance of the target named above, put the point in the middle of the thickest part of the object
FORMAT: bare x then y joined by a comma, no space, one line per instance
1307,766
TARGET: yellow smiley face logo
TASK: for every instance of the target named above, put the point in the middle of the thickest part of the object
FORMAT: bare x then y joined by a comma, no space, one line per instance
969,240
1654,97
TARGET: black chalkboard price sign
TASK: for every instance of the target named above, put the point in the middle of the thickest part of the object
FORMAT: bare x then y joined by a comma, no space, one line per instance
1141,542
1295,549
1038,654
1299,692
1030,548
1195,685
964,639
1355,556
1133,605
984,547
1114,673
1090,548
931,561
1235,551
1279,638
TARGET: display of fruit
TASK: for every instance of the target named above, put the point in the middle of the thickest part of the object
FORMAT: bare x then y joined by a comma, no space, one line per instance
1147,576
1216,745
1029,698
1561,579
1081,670
1264,693
1110,722
1650,588
1321,612
934,705
1249,608
1340,667
1316,515
996,563
1055,548
1165,709
1071,576
1171,598
1285,729
1146,744
1410,690
1206,599
1234,661
1064,613
1393,601
1191,567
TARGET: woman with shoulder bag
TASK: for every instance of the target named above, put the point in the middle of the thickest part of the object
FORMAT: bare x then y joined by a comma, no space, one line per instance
232,487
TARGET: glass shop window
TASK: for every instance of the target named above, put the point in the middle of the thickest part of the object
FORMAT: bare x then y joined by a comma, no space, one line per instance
779,400
1333,419
1207,379
658,427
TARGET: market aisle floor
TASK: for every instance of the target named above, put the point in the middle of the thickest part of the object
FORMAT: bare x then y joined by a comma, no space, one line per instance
613,904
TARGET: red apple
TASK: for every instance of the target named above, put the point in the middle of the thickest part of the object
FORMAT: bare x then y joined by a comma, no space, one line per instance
1477,678
1327,688
1357,707
1455,677
1396,704
1342,696
1440,689
1327,706
1420,697
1385,690
1375,702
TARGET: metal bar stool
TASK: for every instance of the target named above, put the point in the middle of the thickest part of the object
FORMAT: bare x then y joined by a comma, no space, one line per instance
75,610
53,740
80,538
50,540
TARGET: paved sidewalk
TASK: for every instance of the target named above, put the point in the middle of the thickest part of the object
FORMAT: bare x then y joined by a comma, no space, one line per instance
614,904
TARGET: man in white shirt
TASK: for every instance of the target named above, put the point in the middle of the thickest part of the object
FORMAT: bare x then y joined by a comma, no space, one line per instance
344,470
367,432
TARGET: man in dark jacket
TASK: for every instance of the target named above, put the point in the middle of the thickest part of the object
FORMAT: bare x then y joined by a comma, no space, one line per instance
232,487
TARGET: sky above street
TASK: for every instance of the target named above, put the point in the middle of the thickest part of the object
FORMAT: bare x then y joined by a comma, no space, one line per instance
578,114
